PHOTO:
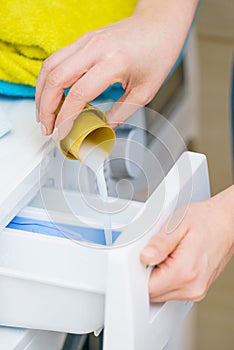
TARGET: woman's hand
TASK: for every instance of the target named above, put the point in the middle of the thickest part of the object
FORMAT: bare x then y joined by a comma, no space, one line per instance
191,257
138,51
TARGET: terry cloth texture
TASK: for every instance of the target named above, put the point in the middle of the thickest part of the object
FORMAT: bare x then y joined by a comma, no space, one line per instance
30,31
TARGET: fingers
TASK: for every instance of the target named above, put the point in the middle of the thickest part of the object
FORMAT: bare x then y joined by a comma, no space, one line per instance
62,77
188,259
162,245
53,61
176,294
163,283
162,252
173,280
167,281
128,104
92,84
182,275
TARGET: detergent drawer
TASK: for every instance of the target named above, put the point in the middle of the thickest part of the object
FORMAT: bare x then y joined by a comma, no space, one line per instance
51,277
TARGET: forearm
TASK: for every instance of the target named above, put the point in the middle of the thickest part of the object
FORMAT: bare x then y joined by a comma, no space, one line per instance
171,7
177,15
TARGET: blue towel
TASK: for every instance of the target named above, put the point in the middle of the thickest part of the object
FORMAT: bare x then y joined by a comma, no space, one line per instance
113,92
72,232
16,90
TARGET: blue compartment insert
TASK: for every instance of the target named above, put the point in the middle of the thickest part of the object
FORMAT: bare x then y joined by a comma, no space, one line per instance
77,233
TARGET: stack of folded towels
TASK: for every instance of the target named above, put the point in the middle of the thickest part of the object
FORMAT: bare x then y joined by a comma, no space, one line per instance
30,31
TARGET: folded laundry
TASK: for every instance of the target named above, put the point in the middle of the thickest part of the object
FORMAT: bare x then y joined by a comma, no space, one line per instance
75,233
30,31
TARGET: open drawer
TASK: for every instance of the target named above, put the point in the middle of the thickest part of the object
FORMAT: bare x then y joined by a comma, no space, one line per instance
60,282
53,265
57,281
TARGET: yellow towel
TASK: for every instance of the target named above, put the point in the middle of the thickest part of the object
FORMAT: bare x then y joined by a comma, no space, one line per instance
31,30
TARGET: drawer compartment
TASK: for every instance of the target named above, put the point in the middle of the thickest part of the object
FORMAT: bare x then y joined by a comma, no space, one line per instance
64,284
52,270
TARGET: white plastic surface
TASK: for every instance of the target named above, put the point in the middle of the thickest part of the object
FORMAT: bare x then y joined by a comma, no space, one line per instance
131,322
56,284
29,339
21,152
5,125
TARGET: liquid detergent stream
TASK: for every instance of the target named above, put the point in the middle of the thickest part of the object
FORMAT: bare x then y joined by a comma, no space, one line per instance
102,189
94,157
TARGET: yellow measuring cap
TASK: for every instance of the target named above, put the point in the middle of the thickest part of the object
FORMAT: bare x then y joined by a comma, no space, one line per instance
90,125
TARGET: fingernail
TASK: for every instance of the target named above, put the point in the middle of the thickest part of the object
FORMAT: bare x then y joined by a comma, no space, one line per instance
55,134
43,129
63,129
149,252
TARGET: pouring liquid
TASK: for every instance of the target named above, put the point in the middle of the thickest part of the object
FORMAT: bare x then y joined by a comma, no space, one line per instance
94,157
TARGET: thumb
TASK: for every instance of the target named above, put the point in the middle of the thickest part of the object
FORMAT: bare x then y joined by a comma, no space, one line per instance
126,106
162,245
